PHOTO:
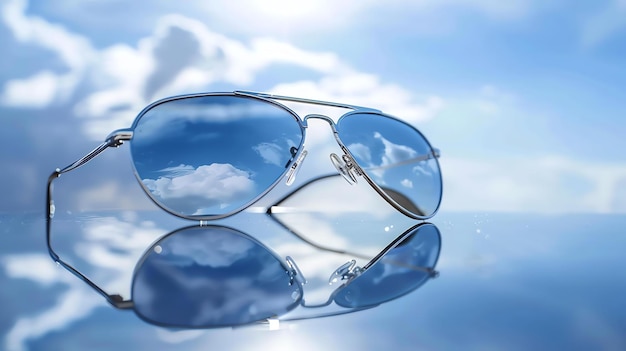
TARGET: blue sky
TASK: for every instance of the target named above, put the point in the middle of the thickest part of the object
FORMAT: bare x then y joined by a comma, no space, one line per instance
523,98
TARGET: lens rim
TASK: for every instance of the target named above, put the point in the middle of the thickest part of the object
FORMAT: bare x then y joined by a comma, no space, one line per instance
218,94
414,230
149,250
377,187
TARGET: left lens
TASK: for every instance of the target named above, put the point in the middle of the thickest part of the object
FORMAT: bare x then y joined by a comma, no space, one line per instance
397,158
213,155
404,267
205,277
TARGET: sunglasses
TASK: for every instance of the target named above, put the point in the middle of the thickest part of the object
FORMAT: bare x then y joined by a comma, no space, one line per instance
209,156
215,276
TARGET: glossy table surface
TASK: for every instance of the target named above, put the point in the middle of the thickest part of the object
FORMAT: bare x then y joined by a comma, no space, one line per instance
508,281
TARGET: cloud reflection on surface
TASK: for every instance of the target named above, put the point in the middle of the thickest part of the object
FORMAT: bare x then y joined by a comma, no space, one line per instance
107,246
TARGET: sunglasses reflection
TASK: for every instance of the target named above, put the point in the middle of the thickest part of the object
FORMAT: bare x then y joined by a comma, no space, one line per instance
216,276
219,275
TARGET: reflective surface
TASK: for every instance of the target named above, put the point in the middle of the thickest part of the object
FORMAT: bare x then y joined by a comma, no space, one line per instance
507,282
212,155
205,277
529,120
396,158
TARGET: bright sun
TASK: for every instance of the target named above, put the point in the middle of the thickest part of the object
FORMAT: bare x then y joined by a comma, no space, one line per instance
288,9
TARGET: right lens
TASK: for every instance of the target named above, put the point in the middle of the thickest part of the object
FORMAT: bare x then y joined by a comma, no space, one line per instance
403,268
212,276
209,156
397,160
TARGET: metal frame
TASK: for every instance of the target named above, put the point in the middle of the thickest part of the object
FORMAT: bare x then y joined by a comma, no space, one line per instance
345,165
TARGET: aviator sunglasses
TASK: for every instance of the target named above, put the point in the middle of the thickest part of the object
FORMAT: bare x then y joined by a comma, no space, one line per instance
215,276
209,156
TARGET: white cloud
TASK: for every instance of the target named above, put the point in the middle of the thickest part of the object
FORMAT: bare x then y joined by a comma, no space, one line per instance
366,90
395,153
532,185
74,50
44,87
271,153
158,68
129,78
110,247
36,267
361,151
36,91
178,171
183,55
117,81
72,306
204,181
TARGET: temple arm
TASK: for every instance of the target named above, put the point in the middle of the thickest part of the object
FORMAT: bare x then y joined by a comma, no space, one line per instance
115,139
435,153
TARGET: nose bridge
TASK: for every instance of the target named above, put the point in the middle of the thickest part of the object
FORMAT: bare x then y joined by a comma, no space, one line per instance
322,117
345,165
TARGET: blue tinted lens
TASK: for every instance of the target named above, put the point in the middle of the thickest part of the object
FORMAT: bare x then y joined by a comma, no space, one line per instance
204,277
397,272
213,155
397,158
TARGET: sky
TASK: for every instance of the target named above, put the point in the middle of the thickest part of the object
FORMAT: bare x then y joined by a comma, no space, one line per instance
523,98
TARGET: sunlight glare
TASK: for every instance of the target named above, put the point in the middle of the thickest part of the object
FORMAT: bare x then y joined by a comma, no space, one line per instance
286,9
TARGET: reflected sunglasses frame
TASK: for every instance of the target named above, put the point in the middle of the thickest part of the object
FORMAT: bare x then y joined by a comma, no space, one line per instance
345,165
346,273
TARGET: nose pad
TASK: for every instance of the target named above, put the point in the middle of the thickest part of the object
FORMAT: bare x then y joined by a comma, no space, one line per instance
347,270
344,167
296,273
295,167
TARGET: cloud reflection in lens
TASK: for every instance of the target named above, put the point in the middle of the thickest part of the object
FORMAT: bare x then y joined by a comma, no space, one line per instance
192,191
396,157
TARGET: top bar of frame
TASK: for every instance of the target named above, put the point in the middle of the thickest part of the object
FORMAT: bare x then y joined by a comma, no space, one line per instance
306,101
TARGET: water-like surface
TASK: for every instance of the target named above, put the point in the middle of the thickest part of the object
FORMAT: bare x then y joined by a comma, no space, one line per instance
507,281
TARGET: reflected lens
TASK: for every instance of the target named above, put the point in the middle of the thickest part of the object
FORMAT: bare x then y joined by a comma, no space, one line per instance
400,270
212,155
397,159
204,277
